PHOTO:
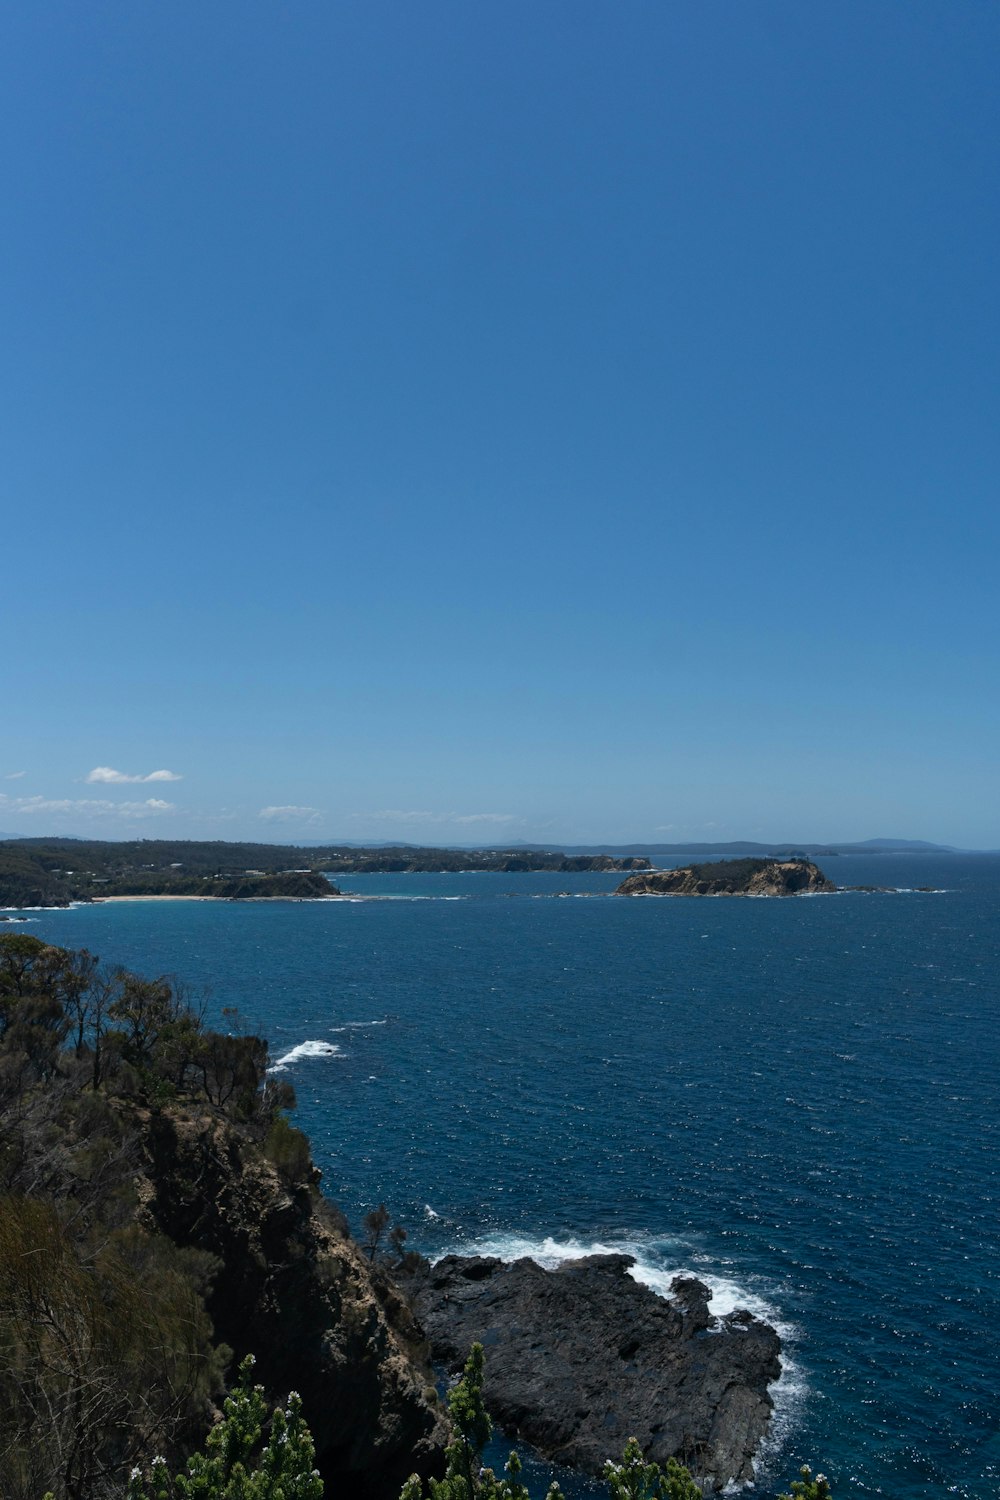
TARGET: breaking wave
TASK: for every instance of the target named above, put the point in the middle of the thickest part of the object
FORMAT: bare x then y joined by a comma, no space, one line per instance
304,1049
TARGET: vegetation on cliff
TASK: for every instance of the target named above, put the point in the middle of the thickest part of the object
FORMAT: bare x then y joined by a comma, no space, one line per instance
157,1210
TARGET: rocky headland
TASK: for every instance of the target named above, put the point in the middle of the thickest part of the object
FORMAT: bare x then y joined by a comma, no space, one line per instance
731,877
581,1358
294,1289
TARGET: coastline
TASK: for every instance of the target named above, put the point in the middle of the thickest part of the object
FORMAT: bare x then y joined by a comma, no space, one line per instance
106,900
163,896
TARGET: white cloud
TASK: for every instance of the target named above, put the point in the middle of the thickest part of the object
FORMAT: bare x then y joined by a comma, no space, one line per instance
87,807
108,776
291,814
14,775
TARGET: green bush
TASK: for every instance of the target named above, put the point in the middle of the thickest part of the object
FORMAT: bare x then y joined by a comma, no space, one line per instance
288,1149
240,1462
808,1488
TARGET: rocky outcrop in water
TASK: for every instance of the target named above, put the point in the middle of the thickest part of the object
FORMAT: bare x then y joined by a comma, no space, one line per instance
731,877
581,1358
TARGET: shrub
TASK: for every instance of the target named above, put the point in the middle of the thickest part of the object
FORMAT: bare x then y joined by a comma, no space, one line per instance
808,1488
288,1149
238,1462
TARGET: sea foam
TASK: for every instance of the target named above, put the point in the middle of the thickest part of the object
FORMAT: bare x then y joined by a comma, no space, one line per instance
304,1049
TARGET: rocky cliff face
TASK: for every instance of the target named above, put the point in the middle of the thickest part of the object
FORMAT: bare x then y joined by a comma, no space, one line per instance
294,1290
743,877
582,1358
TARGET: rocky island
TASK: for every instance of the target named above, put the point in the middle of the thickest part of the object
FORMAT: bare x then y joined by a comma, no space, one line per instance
581,1358
731,877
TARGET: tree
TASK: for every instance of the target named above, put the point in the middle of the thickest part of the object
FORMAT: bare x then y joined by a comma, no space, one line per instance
144,1008
238,1462
634,1479
375,1223
33,979
808,1488
465,1478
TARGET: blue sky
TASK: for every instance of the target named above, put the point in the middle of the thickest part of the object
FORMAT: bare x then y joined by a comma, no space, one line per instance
563,422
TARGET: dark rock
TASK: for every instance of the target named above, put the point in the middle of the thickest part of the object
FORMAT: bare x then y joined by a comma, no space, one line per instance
582,1358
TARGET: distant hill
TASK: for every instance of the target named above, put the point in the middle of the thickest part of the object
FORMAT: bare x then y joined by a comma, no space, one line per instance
676,854
905,846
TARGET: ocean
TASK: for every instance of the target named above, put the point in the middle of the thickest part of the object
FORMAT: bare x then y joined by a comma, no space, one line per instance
794,1099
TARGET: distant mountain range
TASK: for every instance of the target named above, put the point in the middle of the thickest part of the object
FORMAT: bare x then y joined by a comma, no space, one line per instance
657,852
734,849
742,848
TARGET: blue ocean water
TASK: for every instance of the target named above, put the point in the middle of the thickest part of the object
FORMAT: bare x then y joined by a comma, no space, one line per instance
795,1099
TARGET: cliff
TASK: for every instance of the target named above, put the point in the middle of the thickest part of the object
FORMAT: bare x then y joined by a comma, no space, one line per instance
581,1358
296,1291
731,877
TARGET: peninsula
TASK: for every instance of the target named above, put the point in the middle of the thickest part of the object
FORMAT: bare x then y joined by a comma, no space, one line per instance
731,877
56,871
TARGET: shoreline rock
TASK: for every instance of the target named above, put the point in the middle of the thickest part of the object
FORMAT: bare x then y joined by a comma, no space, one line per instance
581,1358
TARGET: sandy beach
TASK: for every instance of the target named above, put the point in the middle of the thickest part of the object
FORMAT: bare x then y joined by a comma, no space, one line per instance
99,900
104,900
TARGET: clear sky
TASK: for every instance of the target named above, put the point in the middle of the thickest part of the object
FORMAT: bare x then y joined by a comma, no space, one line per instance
480,422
